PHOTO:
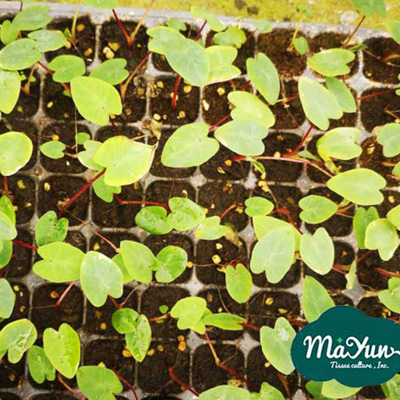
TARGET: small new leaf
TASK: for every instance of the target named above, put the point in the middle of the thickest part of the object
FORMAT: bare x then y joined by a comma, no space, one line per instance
239,283
50,229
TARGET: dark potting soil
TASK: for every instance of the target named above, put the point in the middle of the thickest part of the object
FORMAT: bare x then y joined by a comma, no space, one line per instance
375,111
331,40
277,144
28,103
114,214
107,132
276,46
20,125
244,52
289,280
219,301
187,105
160,398
381,60
155,297
134,104
76,239
113,355
348,119
368,277
206,374
56,191
211,256
156,243
391,199
20,263
50,396
113,43
284,197
218,196
10,396
259,371
21,307
162,191
152,373
159,60
158,169
85,45
98,319
43,312
57,103
11,375
66,133
22,191
99,244
333,280
222,167
215,104
288,115
316,175
341,299
373,158
338,225
266,307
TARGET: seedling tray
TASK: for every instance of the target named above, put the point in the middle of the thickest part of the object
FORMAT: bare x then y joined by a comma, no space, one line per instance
215,185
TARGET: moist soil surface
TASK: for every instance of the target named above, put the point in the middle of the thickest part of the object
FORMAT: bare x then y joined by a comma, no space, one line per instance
223,183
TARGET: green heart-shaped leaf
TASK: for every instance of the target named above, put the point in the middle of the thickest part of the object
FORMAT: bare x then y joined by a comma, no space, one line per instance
319,104
189,311
7,297
232,36
361,186
53,149
98,383
211,229
220,61
32,18
18,55
61,262
331,62
63,349
104,191
180,152
264,76
67,67
7,228
381,235
316,209
40,368
86,157
16,338
138,342
316,299
389,138
340,143
239,283
111,71
139,260
124,320
15,152
274,254
153,219
125,160
318,251
48,40
172,261
362,218
258,206
276,344
100,278
185,213
10,86
95,99
50,229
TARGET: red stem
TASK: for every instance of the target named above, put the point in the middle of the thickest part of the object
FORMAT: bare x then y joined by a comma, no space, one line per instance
49,71
175,94
60,300
115,127
387,273
218,123
6,188
80,192
69,388
122,28
284,211
300,145
116,305
226,212
375,94
364,256
127,384
28,246
250,326
181,383
139,202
